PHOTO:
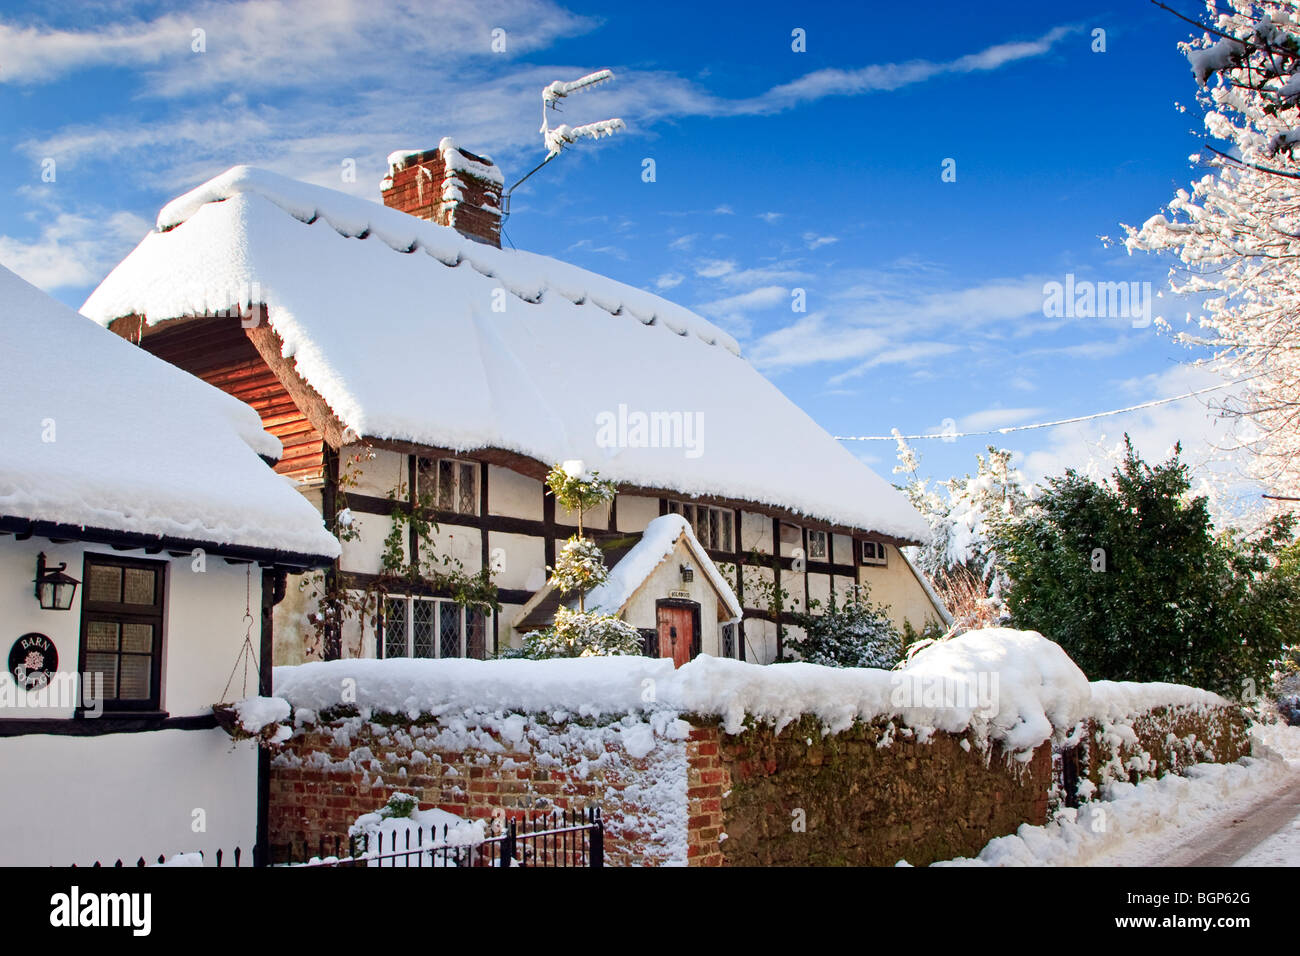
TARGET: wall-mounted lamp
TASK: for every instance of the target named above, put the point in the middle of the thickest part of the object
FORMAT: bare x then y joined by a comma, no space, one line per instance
54,589
688,574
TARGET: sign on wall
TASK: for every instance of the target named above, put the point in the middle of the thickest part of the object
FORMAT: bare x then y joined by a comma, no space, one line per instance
33,659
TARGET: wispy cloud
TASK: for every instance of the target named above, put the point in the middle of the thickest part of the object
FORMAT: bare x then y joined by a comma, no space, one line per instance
73,250
714,268
815,241
734,311
343,38
293,112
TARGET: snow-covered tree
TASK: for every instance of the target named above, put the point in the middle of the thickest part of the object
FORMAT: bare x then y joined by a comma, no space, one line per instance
1236,230
961,557
852,632
580,566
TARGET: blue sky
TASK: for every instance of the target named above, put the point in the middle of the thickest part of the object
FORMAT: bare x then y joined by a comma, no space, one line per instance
775,170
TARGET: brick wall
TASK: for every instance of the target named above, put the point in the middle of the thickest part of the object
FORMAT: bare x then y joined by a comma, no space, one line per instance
674,792
869,796
417,189
328,775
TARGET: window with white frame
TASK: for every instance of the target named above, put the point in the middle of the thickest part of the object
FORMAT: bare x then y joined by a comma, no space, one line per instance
873,552
451,483
816,545
712,526
432,628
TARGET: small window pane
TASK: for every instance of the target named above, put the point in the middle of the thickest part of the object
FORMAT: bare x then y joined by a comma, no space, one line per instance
137,638
726,531
395,627
715,531
105,664
104,583
468,498
138,586
446,484
426,477
422,628
135,677
817,544
101,635
450,629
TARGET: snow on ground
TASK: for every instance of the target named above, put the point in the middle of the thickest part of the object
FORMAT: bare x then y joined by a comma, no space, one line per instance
1140,825
1281,849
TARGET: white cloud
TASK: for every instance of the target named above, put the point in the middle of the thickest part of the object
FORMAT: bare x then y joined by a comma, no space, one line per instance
909,354
771,217
810,340
312,118
996,418
669,280
714,268
816,242
291,42
766,275
73,250
733,311
1208,440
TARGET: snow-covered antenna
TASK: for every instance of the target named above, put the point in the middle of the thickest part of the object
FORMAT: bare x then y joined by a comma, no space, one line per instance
559,137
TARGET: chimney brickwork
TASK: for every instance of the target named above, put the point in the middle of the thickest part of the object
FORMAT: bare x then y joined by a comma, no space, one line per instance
450,186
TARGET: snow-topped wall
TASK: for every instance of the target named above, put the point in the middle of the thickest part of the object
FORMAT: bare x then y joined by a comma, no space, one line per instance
721,761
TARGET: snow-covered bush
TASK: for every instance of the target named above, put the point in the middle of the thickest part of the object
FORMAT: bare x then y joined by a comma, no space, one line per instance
854,633
581,634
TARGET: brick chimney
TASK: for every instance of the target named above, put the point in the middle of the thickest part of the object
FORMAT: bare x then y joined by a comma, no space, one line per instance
450,186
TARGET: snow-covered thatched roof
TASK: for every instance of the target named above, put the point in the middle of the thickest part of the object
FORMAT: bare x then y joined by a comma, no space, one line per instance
412,332
97,434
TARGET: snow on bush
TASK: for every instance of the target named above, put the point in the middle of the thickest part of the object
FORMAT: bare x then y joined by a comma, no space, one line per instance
400,824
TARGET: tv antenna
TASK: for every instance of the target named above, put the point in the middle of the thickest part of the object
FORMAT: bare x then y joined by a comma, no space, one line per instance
558,138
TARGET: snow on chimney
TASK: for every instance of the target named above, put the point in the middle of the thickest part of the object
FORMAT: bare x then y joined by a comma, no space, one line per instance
450,186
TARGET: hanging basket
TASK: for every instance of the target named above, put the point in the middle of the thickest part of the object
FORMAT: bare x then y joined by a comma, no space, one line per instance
271,736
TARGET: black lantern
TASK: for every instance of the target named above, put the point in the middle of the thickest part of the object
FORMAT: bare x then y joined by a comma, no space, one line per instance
688,574
54,588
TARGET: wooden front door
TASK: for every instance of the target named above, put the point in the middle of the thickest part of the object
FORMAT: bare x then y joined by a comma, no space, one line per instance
676,633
